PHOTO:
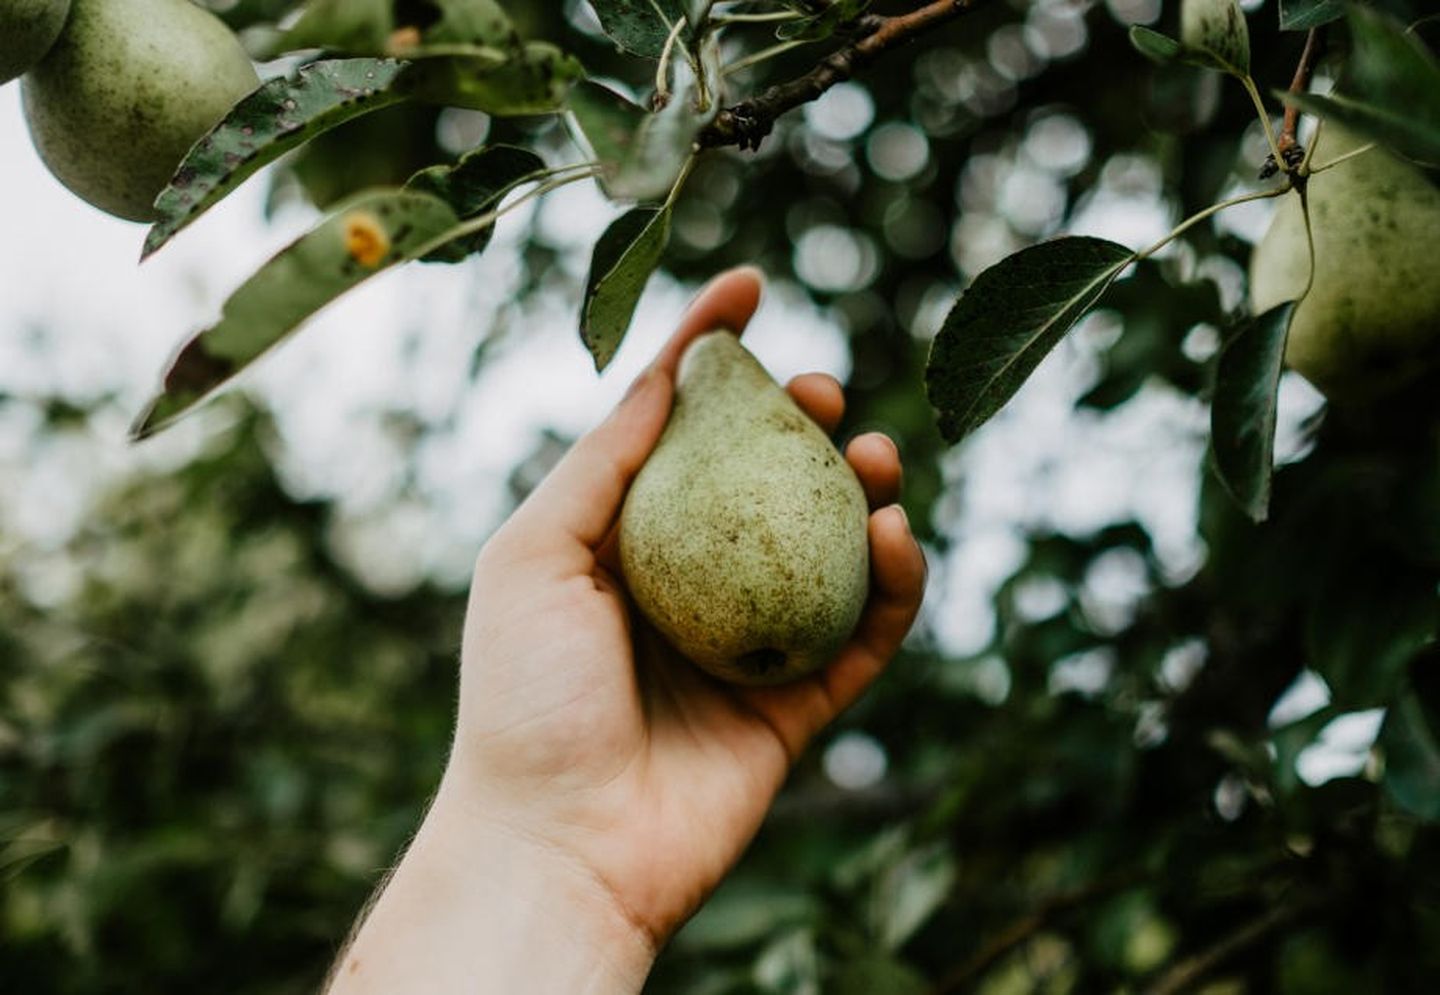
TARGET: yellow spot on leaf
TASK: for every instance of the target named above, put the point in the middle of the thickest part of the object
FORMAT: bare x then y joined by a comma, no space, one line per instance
366,240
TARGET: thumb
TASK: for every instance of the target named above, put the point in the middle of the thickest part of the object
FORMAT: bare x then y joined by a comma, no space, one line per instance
576,504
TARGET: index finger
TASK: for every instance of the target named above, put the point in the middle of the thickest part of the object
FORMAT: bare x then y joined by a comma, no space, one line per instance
728,301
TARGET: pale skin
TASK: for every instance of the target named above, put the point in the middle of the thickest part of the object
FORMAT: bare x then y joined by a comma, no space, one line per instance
599,786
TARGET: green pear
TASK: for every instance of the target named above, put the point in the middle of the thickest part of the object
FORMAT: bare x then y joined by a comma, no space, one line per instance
127,89
27,30
744,537
1371,322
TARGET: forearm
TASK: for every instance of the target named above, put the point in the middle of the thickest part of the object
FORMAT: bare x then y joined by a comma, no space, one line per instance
473,909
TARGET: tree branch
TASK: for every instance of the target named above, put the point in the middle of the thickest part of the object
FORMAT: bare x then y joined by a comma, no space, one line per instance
1298,85
1031,923
747,123
1185,974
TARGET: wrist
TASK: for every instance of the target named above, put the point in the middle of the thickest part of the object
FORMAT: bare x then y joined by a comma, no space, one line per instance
477,906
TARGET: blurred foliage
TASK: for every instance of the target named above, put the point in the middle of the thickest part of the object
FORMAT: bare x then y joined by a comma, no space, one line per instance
216,737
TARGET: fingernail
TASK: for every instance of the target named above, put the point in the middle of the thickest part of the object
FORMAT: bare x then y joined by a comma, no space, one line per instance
904,517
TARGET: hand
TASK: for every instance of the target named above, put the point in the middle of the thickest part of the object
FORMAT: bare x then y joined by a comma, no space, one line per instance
587,751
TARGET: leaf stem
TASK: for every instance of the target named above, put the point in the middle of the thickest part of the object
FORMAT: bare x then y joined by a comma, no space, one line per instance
679,183
1248,82
1339,159
662,70
562,176
755,58
775,16
1213,209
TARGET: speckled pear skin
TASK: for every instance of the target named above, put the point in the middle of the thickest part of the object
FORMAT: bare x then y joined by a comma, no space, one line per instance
744,537
127,89
1371,322
27,30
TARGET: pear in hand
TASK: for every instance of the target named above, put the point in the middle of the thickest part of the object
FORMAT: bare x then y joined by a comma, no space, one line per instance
744,537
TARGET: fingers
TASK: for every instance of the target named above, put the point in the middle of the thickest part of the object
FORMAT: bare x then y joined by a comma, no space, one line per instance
876,461
819,396
579,499
796,712
728,301
897,571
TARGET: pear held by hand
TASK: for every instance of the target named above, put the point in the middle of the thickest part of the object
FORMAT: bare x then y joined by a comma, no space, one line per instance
127,89
27,30
1371,322
744,538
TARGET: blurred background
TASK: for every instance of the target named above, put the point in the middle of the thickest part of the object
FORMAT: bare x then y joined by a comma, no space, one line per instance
1135,743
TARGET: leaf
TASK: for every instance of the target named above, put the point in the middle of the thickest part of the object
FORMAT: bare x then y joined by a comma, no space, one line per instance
824,24
1391,91
623,261
1368,619
1301,15
359,26
366,236
280,115
1008,320
1410,739
1154,45
875,974
471,22
1217,28
1242,414
640,27
1162,49
604,123
535,78
474,185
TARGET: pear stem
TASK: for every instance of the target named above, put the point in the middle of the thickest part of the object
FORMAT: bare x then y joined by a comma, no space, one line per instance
1249,83
1339,159
1297,85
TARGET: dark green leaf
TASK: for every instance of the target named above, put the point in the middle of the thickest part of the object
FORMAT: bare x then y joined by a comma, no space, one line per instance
875,974
356,26
471,22
604,121
1300,15
474,185
1242,415
1154,45
824,24
1216,29
624,258
279,116
1391,90
1410,740
364,237
1008,320
640,27
535,78
1368,620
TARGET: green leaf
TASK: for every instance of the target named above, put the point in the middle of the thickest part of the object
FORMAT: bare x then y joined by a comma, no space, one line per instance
1217,28
824,24
1008,320
1154,45
624,259
364,237
877,973
1301,15
1368,619
1410,739
1242,415
474,185
358,26
604,124
1164,50
1391,91
471,22
280,115
535,78
640,27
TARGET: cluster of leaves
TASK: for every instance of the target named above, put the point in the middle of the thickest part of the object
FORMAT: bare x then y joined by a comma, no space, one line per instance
211,746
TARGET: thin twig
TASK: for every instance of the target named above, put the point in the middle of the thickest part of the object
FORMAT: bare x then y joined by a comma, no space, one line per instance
747,123
1298,85
1191,970
1031,923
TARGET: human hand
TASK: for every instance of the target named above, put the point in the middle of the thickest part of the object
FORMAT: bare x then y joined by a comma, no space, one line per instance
587,751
